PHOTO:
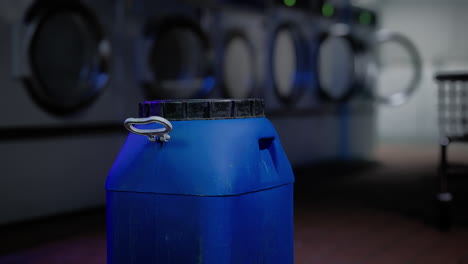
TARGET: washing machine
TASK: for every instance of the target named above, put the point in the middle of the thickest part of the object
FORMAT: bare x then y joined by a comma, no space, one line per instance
166,52
291,51
292,100
61,113
369,43
349,119
336,79
369,40
58,64
347,69
336,119
349,47
311,126
238,33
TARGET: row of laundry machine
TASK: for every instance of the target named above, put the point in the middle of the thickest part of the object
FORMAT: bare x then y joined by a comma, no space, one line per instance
72,71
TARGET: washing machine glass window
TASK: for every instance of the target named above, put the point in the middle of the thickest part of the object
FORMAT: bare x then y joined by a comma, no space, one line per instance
284,63
288,67
238,67
177,62
394,68
66,55
336,67
399,68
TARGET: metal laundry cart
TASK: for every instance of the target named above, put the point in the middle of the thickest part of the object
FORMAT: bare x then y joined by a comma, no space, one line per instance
453,128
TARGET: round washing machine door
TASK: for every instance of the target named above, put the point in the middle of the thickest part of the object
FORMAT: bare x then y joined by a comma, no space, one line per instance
398,68
336,64
239,76
178,60
288,63
67,56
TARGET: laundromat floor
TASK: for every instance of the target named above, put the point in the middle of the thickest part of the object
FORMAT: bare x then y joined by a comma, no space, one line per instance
366,212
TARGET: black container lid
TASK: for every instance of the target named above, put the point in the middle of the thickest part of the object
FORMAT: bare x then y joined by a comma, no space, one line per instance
203,109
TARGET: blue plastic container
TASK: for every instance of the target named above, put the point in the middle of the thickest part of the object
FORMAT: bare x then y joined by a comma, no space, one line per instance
219,191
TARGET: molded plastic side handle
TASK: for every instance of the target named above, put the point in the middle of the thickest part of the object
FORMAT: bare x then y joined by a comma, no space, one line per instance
267,145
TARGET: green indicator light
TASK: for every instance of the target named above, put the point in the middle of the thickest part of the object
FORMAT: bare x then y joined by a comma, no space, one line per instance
328,10
289,3
365,18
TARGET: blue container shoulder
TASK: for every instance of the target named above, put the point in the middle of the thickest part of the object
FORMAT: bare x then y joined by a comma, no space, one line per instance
204,158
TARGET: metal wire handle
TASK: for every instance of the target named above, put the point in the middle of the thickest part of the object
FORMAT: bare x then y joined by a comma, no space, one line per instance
159,134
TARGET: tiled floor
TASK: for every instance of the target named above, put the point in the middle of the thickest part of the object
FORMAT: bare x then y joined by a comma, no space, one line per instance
368,213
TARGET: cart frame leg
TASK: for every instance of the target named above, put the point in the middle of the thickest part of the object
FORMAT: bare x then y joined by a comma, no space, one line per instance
444,197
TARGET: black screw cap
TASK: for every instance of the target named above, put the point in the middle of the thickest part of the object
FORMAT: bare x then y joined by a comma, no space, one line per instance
203,109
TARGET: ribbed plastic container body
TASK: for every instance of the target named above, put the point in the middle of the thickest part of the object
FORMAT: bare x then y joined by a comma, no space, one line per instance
220,191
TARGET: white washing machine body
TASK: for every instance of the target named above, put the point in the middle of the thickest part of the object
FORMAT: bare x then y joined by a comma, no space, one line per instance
238,33
61,110
165,52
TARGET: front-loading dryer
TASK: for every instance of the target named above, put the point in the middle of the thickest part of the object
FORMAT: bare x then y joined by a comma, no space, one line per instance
238,30
61,111
166,51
